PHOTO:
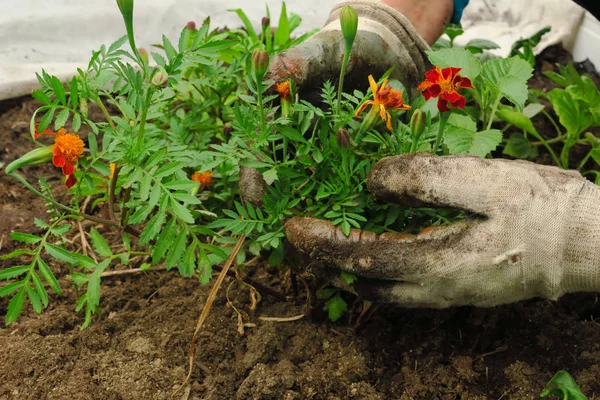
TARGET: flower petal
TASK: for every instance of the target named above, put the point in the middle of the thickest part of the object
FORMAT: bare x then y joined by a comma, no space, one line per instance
68,168
59,158
373,86
388,121
71,180
363,106
442,105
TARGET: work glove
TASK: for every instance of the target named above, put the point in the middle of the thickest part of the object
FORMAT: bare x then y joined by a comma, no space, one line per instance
537,234
385,39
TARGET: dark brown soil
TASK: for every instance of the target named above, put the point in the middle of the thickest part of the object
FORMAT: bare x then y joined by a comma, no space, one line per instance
138,347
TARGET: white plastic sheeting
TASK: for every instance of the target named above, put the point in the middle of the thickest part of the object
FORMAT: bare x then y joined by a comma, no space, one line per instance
59,35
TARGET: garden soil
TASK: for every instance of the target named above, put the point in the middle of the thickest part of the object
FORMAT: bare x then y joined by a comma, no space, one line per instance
138,347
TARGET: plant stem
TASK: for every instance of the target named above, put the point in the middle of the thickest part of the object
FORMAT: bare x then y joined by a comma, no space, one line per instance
438,140
342,75
105,112
111,194
585,159
261,109
553,122
493,112
143,116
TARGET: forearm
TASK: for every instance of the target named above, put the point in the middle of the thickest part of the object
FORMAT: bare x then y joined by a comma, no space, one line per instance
429,17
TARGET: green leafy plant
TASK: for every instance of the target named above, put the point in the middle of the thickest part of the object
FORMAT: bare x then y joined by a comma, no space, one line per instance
563,386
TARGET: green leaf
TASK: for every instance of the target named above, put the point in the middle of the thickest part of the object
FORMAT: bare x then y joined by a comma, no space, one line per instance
34,299
563,386
25,237
152,228
181,211
15,306
508,76
74,98
247,23
60,254
164,241
59,90
456,58
76,124
176,252
569,112
46,119
39,287
335,307
16,253
463,141
61,119
270,176
282,33
517,119
482,44
348,277
100,245
11,287
49,276
13,272
518,146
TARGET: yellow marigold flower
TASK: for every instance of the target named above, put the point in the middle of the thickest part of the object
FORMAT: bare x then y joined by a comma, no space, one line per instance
112,167
283,89
203,178
384,98
67,150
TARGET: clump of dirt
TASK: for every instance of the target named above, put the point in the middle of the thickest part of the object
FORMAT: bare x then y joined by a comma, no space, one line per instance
138,347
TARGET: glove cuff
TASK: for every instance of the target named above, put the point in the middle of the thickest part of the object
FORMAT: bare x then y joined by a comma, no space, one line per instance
581,257
405,47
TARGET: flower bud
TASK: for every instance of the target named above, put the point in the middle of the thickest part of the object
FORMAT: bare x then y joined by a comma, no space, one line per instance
37,156
418,123
343,139
260,63
349,23
160,78
265,22
227,129
126,7
143,54
191,26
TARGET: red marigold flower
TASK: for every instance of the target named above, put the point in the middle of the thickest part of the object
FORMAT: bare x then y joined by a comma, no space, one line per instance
67,150
444,84
384,98
283,89
203,178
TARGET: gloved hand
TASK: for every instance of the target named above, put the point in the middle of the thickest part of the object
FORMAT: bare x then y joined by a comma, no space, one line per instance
385,39
539,234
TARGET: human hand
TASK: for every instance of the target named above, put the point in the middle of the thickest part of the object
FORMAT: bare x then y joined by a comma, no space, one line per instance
538,235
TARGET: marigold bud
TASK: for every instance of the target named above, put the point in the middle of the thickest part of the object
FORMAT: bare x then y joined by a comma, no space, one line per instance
126,7
143,54
191,25
349,23
37,156
343,139
418,123
260,62
160,78
265,22
227,129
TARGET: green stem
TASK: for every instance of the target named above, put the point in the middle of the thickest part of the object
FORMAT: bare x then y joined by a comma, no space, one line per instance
438,140
493,112
105,112
553,122
261,109
550,141
545,143
69,209
342,75
585,159
143,116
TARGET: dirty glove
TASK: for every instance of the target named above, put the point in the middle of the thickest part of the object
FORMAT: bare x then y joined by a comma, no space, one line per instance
385,39
538,235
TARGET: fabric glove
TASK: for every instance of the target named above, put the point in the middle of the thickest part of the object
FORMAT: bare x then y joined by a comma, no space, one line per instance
538,235
385,39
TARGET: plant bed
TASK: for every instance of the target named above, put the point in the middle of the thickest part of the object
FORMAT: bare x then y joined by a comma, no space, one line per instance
137,346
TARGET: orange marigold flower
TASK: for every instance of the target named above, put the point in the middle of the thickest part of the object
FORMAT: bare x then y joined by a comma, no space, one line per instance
112,167
67,150
444,84
384,98
283,89
203,178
